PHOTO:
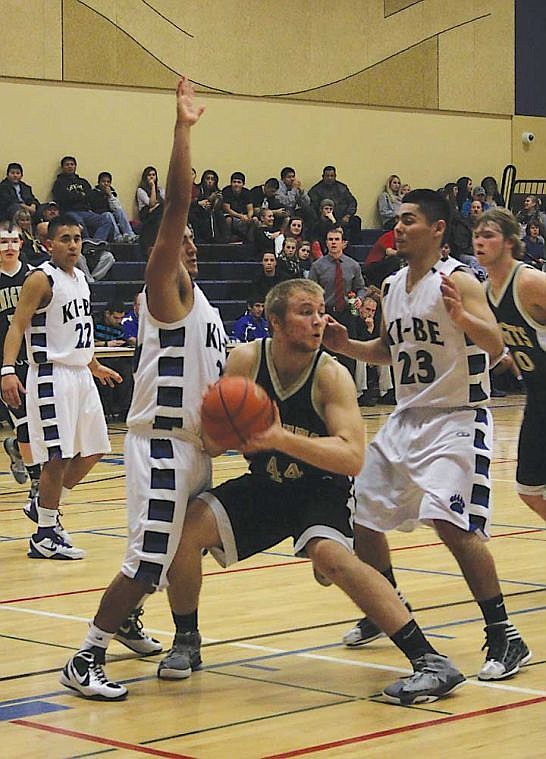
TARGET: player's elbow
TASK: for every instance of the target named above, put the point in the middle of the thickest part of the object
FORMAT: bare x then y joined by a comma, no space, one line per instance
354,460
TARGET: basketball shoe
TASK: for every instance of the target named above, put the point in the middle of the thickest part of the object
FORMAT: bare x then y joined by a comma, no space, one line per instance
31,511
17,465
506,652
183,658
365,631
434,676
50,545
132,635
84,674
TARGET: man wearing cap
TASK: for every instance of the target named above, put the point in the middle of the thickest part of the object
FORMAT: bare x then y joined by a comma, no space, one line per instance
344,202
478,193
48,211
325,223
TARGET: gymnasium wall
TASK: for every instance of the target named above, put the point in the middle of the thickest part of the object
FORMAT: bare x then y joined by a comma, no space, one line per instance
373,87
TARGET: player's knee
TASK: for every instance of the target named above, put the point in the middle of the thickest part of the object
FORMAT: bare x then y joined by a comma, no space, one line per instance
328,557
455,538
200,530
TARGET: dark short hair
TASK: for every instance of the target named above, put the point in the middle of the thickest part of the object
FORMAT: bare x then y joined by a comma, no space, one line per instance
14,165
60,221
432,205
328,168
104,174
66,158
115,306
238,175
287,170
272,182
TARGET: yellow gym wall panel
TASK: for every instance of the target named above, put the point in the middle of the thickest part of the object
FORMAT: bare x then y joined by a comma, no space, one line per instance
32,39
530,160
123,130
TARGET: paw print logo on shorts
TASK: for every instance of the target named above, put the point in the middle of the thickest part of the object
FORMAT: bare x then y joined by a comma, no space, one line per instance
456,503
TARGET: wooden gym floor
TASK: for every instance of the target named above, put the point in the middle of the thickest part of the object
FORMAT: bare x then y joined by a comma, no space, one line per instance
276,680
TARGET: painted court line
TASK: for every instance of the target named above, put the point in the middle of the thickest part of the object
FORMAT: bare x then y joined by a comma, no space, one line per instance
97,739
268,652
404,729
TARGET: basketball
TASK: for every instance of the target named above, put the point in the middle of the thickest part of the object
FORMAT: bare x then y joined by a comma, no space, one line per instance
234,409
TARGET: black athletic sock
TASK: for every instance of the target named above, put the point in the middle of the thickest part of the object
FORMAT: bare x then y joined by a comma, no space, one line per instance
493,610
33,471
389,575
185,622
411,641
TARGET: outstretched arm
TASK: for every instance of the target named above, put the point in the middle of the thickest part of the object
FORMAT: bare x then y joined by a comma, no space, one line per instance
166,280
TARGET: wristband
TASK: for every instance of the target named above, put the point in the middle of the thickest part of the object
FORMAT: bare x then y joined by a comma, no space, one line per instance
498,359
5,370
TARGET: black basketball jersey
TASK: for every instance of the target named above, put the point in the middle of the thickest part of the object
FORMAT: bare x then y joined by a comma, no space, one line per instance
525,338
298,414
10,288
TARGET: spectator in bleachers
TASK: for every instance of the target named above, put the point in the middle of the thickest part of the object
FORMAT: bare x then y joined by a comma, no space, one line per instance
459,234
72,193
382,260
464,190
389,202
129,323
15,194
150,197
293,197
304,257
265,196
194,185
326,222
492,195
95,260
288,261
104,199
530,210
108,333
475,212
293,228
23,221
206,215
534,253
238,207
41,253
345,204
269,276
252,325
478,193
265,234
404,189
48,211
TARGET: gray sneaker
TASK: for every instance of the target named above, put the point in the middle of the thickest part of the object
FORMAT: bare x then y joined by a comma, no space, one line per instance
183,658
434,676
17,465
132,635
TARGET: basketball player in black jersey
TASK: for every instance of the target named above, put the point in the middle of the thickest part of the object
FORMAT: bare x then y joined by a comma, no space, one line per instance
13,273
517,295
299,486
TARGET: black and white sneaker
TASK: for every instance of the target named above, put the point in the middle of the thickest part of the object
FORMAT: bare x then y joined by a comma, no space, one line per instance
52,546
17,465
506,652
183,657
434,676
31,511
365,631
132,635
85,675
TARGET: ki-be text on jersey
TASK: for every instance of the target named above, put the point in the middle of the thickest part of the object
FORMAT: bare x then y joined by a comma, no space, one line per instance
434,362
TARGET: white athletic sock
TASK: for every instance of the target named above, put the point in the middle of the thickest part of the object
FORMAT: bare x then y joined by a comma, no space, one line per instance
96,638
46,517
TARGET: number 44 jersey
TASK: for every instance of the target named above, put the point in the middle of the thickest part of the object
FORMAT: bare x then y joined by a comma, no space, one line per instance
435,364
62,332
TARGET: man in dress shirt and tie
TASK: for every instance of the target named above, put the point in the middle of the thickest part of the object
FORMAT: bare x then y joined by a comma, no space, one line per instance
339,275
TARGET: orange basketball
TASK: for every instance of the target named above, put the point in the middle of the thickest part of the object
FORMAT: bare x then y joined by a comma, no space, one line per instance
234,409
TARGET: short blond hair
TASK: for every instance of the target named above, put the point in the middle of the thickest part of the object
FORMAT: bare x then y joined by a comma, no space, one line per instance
276,301
508,225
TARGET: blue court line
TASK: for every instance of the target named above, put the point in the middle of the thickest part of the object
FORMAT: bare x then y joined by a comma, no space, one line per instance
456,574
29,709
269,657
258,666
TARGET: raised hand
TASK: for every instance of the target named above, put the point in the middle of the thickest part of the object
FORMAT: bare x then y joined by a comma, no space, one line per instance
452,299
335,337
188,111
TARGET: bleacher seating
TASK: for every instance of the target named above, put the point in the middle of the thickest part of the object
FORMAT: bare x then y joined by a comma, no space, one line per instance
225,274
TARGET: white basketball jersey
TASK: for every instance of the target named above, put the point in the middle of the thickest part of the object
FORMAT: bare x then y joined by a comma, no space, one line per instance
435,364
174,365
62,332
